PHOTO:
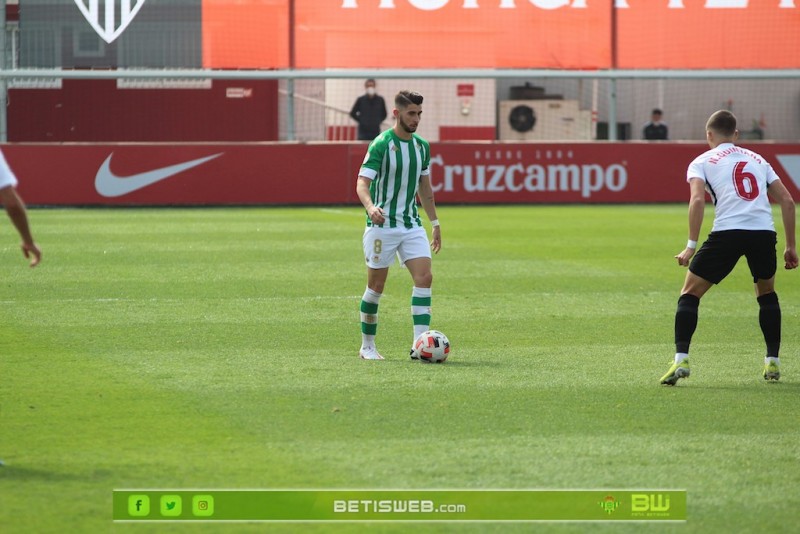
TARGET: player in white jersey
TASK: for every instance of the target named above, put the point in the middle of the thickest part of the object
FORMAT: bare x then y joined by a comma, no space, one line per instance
741,184
395,170
15,208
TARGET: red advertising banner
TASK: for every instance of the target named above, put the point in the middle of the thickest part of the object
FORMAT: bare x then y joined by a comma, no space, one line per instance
567,34
325,173
245,34
556,173
709,34
191,174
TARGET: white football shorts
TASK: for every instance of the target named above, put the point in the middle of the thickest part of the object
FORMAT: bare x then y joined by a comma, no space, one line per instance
382,244
7,177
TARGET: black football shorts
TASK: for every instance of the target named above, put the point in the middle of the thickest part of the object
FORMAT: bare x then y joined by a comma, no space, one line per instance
719,254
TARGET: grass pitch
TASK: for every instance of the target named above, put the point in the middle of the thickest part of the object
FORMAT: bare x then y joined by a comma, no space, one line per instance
217,348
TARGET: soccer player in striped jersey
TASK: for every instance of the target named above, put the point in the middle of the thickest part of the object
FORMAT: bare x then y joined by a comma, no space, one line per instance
395,170
741,184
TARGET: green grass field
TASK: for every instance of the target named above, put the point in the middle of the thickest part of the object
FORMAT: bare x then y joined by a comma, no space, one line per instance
217,348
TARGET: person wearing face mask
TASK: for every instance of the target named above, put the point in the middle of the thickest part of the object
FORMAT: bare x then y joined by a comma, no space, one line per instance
656,130
369,111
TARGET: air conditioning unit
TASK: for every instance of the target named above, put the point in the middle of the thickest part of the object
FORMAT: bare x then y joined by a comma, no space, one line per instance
543,120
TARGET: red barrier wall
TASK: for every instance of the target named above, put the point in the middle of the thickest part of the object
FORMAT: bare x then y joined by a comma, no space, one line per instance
325,173
97,110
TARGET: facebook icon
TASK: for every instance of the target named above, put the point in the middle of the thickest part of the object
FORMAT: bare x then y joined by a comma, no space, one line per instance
138,505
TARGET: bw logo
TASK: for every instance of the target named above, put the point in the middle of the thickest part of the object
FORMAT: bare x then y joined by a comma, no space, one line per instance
109,18
654,502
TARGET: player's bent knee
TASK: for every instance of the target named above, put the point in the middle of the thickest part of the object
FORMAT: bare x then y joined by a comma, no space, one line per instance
377,288
765,287
424,279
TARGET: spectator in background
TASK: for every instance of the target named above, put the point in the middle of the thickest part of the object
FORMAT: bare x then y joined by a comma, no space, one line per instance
369,111
655,130
17,213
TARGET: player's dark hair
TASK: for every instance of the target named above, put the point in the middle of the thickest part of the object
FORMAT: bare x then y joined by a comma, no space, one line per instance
406,98
722,122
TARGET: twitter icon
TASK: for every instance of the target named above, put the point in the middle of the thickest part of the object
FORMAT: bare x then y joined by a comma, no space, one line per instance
171,505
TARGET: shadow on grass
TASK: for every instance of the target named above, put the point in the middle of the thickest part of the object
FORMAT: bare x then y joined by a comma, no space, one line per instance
784,387
442,365
9,471
460,364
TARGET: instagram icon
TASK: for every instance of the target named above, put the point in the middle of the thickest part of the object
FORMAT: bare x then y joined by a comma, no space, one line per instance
203,505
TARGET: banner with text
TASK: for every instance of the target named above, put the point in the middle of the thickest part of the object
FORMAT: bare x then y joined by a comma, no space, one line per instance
399,505
325,173
358,34
571,34
667,34
452,34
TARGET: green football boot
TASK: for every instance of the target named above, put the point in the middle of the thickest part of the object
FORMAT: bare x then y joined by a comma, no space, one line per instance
677,371
772,371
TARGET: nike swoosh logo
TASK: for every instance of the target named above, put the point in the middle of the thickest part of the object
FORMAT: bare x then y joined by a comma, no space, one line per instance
109,184
792,166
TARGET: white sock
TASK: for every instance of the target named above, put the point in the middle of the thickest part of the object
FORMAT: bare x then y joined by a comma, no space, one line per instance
680,356
770,359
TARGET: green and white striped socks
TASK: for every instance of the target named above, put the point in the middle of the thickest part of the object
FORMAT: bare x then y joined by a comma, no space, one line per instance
369,317
420,313
421,309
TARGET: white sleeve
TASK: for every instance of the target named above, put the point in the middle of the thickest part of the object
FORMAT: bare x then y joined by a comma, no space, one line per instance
771,174
696,170
366,172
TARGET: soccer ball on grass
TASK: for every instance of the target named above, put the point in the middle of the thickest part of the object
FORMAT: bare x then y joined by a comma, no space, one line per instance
432,346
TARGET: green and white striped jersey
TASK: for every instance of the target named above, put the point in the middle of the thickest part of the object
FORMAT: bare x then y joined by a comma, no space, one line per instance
395,167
